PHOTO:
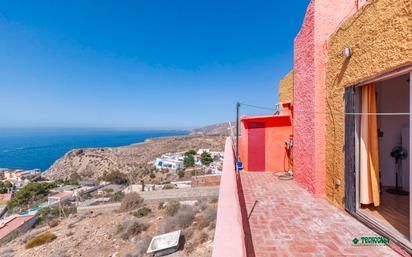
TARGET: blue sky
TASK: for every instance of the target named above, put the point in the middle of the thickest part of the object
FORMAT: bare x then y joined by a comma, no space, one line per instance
170,63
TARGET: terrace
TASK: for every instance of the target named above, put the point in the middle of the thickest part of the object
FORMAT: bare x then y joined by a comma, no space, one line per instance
264,216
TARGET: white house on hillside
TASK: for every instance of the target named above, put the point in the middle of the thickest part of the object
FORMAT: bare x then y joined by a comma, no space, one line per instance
171,165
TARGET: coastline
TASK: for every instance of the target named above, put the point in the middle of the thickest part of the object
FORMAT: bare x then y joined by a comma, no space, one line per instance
92,163
40,150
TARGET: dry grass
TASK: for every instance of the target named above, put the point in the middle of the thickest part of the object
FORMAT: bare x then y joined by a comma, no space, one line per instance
213,200
189,248
171,208
41,240
201,238
206,217
54,223
142,245
131,229
181,220
202,205
131,201
141,212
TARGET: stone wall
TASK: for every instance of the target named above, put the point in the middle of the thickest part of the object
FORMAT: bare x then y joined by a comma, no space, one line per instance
206,181
380,35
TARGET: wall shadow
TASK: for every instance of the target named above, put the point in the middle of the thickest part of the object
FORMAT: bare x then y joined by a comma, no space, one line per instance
250,250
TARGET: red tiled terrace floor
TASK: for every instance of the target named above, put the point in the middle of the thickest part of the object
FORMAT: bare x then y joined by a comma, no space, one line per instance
289,221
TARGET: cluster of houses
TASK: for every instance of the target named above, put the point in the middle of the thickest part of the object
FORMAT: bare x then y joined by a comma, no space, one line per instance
17,178
20,178
14,224
11,225
174,162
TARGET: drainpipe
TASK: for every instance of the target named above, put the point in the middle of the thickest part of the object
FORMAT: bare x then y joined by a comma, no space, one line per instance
237,133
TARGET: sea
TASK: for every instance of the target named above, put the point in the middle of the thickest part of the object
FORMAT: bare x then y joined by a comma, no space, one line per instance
39,148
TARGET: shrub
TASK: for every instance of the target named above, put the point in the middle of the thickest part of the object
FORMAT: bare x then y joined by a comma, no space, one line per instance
131,201
161,206
202,205
131,228
206,158
87,196
181,220
188,233
201,238
5,186
73,180
116,177
171,208
184,217
141,212
54,223
168,186
189,248
189,161
213,200
117,197
29,195
181,174
206,217
190,152
48,214
108,190
41,240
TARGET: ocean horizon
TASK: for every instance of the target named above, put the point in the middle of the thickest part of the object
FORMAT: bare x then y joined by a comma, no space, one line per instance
39,148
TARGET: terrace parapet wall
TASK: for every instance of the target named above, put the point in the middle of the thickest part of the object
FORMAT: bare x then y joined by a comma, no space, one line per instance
229,237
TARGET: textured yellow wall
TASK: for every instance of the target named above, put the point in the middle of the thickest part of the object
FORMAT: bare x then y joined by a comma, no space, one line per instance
286,88
380,35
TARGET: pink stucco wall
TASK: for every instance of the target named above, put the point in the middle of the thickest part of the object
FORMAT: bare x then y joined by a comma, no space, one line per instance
229,234
322,18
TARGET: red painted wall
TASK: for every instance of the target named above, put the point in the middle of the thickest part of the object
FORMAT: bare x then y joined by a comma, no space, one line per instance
277,129
322,18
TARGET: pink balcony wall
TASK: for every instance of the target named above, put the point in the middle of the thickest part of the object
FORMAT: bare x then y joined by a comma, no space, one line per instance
322,18
229,234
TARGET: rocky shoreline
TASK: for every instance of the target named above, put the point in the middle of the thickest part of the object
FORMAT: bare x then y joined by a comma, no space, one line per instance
91,163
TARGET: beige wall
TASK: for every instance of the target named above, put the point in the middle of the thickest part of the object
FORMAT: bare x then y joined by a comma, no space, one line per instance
286,88
380,35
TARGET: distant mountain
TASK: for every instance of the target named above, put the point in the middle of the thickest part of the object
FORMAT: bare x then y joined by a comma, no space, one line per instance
215,129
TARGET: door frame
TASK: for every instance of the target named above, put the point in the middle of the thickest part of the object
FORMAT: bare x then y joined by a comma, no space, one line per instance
351,200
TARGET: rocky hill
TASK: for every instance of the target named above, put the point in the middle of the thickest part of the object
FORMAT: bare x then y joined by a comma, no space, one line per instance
120,234
92,163
216,129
